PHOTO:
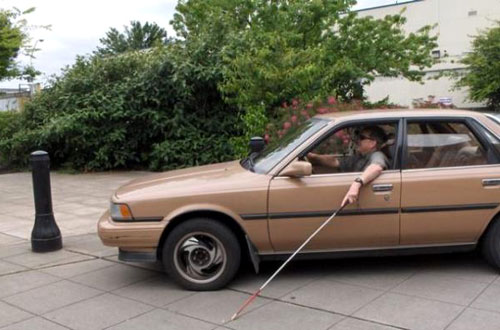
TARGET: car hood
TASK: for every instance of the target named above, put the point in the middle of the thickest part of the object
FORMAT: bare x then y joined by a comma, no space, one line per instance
189,181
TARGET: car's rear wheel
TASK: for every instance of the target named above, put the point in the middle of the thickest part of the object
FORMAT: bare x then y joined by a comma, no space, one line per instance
201,254
491,244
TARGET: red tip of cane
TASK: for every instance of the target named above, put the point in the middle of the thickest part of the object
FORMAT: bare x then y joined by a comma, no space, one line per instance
245,304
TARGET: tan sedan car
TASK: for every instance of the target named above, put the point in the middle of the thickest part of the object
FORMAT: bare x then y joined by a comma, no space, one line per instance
440,193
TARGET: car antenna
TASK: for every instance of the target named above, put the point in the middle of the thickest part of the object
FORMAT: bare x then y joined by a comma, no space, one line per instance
252,297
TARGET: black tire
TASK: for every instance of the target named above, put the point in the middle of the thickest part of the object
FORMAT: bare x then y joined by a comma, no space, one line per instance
193,251
491,244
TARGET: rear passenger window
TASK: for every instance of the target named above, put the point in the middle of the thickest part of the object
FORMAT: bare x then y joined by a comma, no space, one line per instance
442,144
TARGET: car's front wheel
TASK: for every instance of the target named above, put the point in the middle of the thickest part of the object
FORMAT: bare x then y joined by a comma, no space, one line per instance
201,254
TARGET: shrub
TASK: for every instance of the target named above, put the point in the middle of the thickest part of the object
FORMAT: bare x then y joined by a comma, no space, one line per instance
10,123
138,109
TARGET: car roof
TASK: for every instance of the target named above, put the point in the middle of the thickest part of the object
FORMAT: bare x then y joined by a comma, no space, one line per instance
396,113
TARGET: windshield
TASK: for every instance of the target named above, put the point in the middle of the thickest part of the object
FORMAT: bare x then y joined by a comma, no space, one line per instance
278,149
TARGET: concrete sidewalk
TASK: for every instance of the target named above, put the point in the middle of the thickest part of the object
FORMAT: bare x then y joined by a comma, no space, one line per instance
83,286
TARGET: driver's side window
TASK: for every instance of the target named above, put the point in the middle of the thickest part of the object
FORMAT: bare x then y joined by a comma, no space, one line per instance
340,151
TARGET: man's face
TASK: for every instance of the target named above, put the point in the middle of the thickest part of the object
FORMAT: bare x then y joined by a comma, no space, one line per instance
366,143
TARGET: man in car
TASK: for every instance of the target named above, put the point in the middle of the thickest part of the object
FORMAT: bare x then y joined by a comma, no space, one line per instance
368,159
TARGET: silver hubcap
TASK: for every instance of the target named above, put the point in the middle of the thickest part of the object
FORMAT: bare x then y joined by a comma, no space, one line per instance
200,257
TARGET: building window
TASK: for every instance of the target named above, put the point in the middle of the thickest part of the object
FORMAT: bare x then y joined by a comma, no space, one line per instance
472,13
436,53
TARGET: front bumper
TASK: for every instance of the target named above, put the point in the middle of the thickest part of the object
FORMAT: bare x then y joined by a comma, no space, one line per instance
130,236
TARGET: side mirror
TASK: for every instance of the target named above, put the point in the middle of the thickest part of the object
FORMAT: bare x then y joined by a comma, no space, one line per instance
297,169
256,144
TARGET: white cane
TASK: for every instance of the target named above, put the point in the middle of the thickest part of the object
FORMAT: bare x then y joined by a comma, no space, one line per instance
252,297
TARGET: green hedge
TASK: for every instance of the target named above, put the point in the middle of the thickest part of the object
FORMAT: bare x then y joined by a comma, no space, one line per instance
136,110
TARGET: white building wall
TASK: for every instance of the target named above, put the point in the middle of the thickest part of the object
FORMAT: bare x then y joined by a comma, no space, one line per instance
457,21
9,104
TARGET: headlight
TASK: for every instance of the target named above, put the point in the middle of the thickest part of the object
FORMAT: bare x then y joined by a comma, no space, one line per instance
120,212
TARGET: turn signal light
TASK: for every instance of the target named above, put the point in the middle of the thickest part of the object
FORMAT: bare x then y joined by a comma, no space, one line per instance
120,212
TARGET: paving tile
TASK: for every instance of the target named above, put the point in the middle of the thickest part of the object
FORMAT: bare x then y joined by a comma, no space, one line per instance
8,268
409,312
74,222
19,282
77,231
443,288
477,320
98,312
162,320
380,277
68,208
10,314
22,212
279,315
84,210
354,324
9,223
489,299
154,266
285,283
114,277
158,291
50,297
12,250
77,268
38,260
466,267
213,306
23,232
9,240
19,202
35,323
89,244
333,296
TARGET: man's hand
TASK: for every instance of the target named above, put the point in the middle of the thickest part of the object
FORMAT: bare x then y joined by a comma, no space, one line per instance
352,194
324,160
311,157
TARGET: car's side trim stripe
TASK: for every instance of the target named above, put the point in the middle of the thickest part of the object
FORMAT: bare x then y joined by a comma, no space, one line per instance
254,216
416,209
443,208
315,214
154,219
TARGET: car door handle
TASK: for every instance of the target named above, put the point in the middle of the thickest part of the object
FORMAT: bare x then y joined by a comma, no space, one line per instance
382,187
491,182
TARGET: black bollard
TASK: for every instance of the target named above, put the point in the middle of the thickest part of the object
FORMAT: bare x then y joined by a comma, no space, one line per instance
46,235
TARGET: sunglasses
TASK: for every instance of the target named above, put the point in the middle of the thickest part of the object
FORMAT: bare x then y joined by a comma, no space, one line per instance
364,137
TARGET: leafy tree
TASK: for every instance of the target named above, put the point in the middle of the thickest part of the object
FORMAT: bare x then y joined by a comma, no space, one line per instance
272,51
135,37
483,73
13,38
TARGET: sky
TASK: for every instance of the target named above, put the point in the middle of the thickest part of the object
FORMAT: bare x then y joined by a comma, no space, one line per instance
77,26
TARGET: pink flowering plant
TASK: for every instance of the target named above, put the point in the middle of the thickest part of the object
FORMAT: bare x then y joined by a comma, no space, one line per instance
294,113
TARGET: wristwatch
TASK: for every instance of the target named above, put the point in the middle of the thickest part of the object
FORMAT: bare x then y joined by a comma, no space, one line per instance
360,181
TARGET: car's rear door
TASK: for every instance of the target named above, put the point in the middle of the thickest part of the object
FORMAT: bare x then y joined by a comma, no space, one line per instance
450,181
297,206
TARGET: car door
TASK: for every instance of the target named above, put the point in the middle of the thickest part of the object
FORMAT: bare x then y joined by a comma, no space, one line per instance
298,206
449,182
